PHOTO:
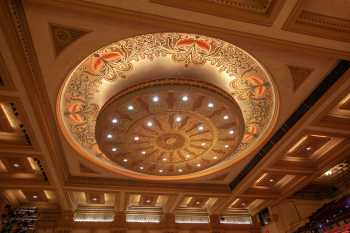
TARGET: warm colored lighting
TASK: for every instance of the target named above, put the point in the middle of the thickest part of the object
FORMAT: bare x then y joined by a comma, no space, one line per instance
197,202
125,160
179,170
271,180
35,196
155,98
148,201
243,204
165,159
141,167
215,157
130,107
308,148
203,144
210,105
227,146
328,173
114,149
149,124
114,120
226,117
201,128
184,98
136,138
94,199
198,165
188,156
109,136
160,170
16,165
143,152
231,131
178,119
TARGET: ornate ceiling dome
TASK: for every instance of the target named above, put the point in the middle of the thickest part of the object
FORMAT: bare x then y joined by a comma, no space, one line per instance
167,106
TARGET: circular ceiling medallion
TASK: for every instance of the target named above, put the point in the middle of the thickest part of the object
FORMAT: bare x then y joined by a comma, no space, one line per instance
169,126
167,106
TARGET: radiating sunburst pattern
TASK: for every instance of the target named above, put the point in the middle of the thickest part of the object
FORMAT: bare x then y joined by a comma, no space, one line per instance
170,127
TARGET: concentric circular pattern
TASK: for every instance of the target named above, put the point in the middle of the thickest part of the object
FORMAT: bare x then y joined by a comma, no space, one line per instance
169,127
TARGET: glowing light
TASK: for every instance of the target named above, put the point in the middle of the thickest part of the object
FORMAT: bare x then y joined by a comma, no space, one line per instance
198,165
271,180
210,105
227,146
148,201
141,168
188,156
35,196
136,138
149,124
114,120
125,160
114,149
165,159
160,170
184,98
130,107
179,170
178,119
143,152
197,202
94,199
226,117
328,173
109,136
215,157
201,128
231,131
16,165
308,148
203,144
155,99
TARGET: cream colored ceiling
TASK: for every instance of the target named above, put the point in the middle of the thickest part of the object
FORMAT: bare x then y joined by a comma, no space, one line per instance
277,49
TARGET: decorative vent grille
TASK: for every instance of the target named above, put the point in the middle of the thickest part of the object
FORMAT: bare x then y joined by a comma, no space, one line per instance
241,219
191,219
143,218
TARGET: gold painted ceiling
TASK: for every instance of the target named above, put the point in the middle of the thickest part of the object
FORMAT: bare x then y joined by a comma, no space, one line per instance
212,84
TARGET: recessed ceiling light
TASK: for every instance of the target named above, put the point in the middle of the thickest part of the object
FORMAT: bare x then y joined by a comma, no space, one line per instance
130,107
149,124
243,204
143,152
215,157
198,165
188,156
141,167
114,120
179,170
184,98
178,119
160,170
155,99
231,131
226,117
197,202
109,136
125,160
136,138
203,144
201,128
94,199
35,196
148,201
271,180
16,165
114,149
227,146
308,148
210,105
165,159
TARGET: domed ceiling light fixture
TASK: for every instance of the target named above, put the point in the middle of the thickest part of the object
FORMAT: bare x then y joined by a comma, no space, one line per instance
196,104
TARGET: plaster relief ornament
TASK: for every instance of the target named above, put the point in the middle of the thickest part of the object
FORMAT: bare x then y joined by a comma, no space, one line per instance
167,106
